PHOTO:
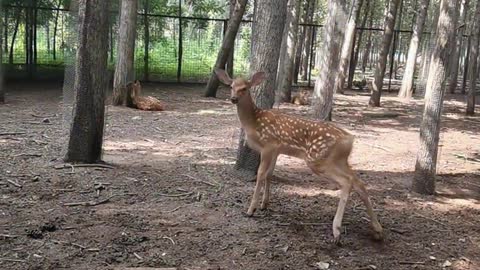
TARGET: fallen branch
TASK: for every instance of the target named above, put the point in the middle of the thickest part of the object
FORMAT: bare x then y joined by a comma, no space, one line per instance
200,181
431,219
411,263
12,260
12,133
173,210
175,195
90,203
68,166
69,243
376,146
14,183
399,231
8,236
309,224
171,240
475,160
28,155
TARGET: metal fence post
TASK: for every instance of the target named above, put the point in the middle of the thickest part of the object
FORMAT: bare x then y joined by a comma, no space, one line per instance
180,42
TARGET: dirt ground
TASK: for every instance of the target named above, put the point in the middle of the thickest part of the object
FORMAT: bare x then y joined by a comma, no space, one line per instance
173,200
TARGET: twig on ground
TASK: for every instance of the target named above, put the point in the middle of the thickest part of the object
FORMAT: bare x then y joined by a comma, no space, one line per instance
41,116
14,183
28,155
90,203
376,146
12,133
138,256
171,240
431,219
175,195
69,243
309,224
411,263
64,190
173,210
399,231
475,160
12,260
8,236
201,181
65,166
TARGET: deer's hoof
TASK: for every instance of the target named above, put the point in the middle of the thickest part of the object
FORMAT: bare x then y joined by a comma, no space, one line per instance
378,235
263,206
337,241
250,212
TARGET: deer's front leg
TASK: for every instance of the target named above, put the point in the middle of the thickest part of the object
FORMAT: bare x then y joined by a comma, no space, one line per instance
266,191
265,160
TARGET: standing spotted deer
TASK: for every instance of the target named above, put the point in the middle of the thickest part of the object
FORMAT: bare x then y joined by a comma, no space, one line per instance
324,147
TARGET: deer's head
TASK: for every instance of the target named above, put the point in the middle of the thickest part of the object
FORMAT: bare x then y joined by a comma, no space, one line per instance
239,86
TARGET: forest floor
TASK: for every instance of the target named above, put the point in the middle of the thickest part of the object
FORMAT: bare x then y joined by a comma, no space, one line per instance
172,198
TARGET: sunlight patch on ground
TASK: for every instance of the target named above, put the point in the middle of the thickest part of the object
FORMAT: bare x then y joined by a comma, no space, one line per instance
309,191
214,112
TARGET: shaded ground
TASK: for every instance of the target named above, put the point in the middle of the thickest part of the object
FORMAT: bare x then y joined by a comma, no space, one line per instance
177,203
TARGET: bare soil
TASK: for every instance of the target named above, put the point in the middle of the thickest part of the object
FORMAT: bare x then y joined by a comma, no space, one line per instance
174,200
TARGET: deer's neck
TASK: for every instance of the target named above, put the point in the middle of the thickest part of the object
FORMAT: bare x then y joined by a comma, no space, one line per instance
247,110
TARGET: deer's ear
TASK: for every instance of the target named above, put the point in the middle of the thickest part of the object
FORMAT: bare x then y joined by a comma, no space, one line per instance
257,78
223,76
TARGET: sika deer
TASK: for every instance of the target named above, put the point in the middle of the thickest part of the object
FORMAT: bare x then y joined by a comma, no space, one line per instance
324,147
145,103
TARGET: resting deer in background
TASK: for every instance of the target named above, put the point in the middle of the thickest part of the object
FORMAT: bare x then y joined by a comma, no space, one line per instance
135,100
324,147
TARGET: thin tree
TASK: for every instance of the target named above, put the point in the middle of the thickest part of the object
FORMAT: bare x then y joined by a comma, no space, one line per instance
231,55
329,59
227,46
406,90
389,24
308,42
146,36
307,6
2,89
356,51
368,45
347,46
269,21
287,58
90,84
124,71
455,59
425,167
473,65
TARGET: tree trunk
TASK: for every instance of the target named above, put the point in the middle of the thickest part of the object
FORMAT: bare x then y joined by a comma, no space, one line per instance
329,59
227,45
456,49
269,21
5,31
368,45
429,50
230,59
347,46
466,66
425,167
146,24
353,64
55,29
286,63
301,38
124,70
389,24
473,66
406,89
308,43
91,81
18,14
2,89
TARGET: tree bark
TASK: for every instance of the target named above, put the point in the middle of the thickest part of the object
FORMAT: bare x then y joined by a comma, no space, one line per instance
124,71
55,29
286,63
269,21
2,89
230,60
308,43
428,52
406,90
456,49
473,66
347,46
389,24
227,45
354,62
425,167
329,59
18,14
146,25
91,81
301,38
368,45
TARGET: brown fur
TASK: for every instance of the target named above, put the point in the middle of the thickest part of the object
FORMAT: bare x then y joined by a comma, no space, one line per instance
147,103
302,98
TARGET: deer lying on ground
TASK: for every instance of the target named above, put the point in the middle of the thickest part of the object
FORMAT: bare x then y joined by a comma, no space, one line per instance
302,98
135,100
324,147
